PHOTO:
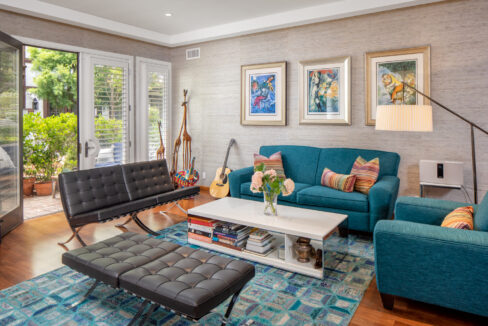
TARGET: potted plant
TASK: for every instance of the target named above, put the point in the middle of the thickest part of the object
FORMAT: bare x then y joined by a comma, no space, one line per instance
267,182
49,141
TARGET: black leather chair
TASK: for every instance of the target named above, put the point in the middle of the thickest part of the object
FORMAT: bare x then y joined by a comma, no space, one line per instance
107,193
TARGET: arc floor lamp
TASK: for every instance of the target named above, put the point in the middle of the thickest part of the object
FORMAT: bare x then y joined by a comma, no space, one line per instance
419,118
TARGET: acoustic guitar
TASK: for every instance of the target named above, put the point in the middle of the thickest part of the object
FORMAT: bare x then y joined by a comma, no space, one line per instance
220,185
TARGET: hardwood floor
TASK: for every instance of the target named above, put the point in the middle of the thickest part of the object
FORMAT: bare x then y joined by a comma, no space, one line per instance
31,250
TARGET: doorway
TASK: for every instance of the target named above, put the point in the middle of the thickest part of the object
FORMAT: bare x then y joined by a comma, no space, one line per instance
50,126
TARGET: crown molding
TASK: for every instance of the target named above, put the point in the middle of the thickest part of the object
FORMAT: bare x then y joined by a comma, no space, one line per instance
315,14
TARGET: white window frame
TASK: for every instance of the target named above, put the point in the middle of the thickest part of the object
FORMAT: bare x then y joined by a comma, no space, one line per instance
85,91
142,150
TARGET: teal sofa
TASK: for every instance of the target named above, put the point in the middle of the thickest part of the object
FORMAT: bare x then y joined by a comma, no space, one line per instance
418,259
304,165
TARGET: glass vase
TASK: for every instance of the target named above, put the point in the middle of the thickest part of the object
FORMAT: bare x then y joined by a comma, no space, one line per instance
270,203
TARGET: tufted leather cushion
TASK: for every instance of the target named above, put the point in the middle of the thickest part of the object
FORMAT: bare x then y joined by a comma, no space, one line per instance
89,190
144,179
188,280
107,260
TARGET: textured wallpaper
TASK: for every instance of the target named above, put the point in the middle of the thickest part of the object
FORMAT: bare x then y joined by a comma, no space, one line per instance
457,32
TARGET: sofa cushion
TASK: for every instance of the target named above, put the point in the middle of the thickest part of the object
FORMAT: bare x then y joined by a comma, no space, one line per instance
481,216
340,160
460,218
246,190
328,197
342,182
273,162
144,179
299,162
366,173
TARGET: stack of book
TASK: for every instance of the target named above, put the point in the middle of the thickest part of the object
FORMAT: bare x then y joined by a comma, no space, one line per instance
260,242
231,235
201,229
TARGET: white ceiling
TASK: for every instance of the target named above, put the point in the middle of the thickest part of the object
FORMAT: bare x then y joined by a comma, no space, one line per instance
187,15
196,20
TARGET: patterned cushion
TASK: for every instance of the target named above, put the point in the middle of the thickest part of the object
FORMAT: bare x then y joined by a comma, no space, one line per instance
273,162
460,218
342,182
366,173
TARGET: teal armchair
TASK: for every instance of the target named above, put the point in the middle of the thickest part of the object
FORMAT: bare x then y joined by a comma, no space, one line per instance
418,259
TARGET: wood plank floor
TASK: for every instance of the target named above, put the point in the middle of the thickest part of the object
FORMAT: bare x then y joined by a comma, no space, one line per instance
31,250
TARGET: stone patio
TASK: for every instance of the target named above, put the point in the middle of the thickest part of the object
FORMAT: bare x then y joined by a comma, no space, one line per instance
35,206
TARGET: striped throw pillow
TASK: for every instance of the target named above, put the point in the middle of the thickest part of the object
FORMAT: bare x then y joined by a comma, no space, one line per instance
460,218
366,173
342,182
273,162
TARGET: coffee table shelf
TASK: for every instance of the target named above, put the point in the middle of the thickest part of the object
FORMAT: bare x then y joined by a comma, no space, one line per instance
291,223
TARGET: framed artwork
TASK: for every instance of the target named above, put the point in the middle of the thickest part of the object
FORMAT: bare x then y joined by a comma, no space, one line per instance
325,91
263,94
385,72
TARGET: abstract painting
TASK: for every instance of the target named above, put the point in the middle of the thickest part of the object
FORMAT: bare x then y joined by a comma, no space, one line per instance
263,94
386,73
325,91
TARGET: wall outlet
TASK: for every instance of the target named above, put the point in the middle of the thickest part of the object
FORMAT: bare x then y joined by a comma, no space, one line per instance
204,175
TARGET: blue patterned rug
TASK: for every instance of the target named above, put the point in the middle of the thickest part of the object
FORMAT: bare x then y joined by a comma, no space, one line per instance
273,297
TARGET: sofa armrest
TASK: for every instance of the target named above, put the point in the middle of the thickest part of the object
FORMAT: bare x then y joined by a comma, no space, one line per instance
382,198
425,210
238,177
432,264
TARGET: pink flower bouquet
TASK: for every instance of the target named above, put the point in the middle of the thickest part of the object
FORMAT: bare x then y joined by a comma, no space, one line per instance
271,186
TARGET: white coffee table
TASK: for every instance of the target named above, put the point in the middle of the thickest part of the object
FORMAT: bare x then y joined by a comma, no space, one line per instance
291,223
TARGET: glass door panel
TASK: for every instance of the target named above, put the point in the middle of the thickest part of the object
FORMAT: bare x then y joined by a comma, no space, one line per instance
10,136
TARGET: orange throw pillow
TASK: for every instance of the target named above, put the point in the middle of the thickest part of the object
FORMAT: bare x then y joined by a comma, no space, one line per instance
366,173
274,162
460,218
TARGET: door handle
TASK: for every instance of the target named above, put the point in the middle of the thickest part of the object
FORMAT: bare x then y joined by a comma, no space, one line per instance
96,147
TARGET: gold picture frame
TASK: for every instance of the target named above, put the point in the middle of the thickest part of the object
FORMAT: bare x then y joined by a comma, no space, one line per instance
325,91
393,67
263,94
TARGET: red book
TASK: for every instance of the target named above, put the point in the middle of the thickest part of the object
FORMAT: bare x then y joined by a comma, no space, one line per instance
202,221
199,237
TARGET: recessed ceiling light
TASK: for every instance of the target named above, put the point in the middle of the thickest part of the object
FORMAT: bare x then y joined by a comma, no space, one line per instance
168,14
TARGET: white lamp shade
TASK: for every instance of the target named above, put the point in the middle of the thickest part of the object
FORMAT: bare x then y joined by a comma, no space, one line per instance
404,118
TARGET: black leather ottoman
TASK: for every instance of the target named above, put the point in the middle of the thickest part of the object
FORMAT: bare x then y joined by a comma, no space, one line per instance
188,281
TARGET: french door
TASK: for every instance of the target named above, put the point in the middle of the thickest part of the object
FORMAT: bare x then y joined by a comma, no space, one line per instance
11,79
153,108
106,129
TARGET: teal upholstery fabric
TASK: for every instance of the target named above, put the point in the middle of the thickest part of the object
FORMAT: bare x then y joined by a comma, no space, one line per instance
382,198
424,210
481,215
333,198
246,190
299,162
236,178
432,264
304,165
341,160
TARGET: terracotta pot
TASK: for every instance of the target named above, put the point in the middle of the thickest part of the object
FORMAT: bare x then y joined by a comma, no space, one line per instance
28,186
44,188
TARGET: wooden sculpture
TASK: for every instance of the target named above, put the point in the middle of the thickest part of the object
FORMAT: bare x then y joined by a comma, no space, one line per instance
186,140
160,151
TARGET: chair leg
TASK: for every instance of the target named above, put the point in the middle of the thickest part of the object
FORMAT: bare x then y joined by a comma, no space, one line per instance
139,313
143,226
388,300
126,222
225,320
75,304
177,204
74,234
